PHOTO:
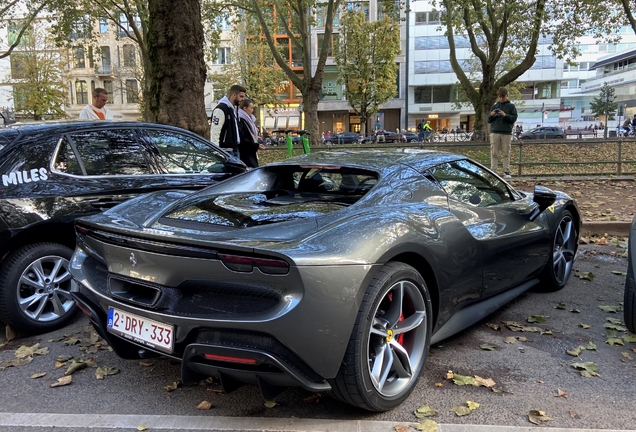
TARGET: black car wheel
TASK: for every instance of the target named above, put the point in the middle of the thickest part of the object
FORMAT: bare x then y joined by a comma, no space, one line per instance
35,287
389,342
328,142
565,240
413,140
558,137
629,303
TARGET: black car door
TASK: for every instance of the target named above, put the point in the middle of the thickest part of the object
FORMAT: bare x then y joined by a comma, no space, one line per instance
186,161
105,167
512,246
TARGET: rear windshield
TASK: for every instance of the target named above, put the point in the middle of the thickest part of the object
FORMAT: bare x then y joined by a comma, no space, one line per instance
281,193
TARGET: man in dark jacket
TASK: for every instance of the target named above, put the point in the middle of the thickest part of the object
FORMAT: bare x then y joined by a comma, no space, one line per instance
502,118
224,129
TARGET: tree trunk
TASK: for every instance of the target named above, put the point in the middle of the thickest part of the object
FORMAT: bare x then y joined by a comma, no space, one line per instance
310,108
177,68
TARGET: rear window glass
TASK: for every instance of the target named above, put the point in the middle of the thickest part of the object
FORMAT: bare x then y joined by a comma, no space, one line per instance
279,193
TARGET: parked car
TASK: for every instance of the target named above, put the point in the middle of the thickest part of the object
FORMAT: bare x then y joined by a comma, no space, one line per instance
52,173
544,132
629,303
389,137
334,271
411,137
343,138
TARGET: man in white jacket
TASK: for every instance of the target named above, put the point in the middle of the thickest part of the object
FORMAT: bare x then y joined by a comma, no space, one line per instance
97,110
224,130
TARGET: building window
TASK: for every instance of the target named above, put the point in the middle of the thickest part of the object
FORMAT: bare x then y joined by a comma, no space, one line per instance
108,86
78,57
106,65
333,43
433,66
222,56
129,56
81,28
423,95
390,8
81,92
433,17
222,22
103,25
19,65
420,18
126,27
132,91
359,5
20,95
321,17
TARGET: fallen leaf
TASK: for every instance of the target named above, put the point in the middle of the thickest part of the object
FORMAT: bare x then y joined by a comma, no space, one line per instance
449,375
510,340
496,327
522,338
615,327
25,351
314,398
425,411
483,382
561,393
461,410
103,371
585,326
16,362
71,341
146,363
620,273
63,358
615,341
575,311
624,354
425,426
538,417
64,381
77,364
401,428
439,384
585,275
576,351
463,380
610,309
38,375
10,333
270,404
487,347
560,305
629,337
472,405
90,362
591,346
537,318
586,369
173,386
615,321
143,427
204,405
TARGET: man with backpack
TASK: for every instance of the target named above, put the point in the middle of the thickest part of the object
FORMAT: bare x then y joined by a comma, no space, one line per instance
224,129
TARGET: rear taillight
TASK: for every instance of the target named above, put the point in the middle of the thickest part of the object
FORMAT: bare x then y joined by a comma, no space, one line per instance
246,264
230,359
80,230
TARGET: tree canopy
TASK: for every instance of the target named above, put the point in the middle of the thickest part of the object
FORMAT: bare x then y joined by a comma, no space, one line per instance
605,105
366,60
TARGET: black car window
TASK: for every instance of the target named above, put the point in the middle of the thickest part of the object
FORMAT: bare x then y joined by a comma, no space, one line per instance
181,154
66,161
471,184
110,152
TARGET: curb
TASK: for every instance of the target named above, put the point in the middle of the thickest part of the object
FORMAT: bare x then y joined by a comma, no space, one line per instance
613,228
239,424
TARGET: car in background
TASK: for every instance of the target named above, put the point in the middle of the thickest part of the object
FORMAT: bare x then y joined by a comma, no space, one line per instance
544,132
343,138
629,303
411,137
52,173
389,137
334,271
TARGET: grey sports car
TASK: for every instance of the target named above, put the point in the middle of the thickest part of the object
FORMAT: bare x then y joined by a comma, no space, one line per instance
333,271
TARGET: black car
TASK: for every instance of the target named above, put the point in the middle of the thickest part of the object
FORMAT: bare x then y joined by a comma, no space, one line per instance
411,137
387,137
52,173
343,138
544,132
629,304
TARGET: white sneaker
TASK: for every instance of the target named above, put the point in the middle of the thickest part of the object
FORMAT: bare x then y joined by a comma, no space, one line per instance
507,175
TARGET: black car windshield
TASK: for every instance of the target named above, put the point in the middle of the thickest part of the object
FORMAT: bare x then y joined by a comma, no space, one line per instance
281,193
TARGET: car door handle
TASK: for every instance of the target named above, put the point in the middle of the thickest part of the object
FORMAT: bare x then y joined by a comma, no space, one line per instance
104,203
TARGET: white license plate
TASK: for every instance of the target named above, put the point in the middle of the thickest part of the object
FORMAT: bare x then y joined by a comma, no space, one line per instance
141,330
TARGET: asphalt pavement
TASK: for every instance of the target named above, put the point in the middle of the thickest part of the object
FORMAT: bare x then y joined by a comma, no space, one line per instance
532,371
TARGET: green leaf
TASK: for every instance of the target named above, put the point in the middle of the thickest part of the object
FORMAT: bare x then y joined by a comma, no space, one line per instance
585,275
461,410
425,426
463,380
576,351
487,347
610,309
71,341
585,326
586,369
270,404
629,337
537,319
616,321
425,411
615,341
591,346
560,305
472,405
620,273
103,371
615,327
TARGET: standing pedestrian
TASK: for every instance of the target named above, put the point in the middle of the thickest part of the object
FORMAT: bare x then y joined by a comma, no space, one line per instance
224,129
249,134
503,116
97,110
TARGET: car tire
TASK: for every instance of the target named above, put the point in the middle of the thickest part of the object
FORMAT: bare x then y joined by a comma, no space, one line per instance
35,288
413,140
558,137
564,243
328,142
394,321
629,301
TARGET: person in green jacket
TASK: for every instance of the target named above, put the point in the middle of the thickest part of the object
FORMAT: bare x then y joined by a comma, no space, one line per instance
502,118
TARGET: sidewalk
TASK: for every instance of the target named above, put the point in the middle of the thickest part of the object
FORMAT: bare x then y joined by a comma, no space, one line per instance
105,422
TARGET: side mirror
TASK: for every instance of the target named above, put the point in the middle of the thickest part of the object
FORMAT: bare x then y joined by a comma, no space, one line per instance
235,166
544,197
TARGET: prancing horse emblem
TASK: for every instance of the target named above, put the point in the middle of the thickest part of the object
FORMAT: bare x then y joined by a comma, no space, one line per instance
133,260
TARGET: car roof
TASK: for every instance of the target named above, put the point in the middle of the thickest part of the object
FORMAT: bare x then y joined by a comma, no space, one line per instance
377,160
29,128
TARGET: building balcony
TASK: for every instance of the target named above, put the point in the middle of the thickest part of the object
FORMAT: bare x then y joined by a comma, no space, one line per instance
104,70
